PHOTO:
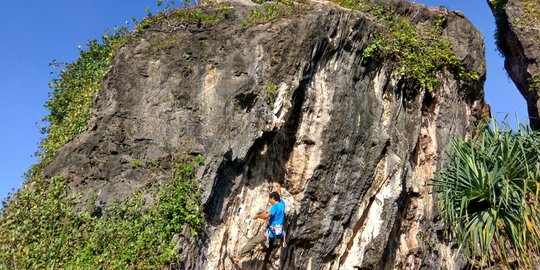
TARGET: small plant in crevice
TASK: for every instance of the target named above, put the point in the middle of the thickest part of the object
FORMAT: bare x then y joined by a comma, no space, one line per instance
208,14
489,196
158,45
534,85
143,25
136,163
271,93
271,11
39,228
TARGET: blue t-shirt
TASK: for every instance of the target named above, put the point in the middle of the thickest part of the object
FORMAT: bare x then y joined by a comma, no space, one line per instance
277,213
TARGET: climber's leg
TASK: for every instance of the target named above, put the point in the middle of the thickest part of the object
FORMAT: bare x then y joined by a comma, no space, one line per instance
252,243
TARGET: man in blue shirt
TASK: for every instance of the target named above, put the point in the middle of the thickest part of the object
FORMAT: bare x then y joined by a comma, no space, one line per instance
276,216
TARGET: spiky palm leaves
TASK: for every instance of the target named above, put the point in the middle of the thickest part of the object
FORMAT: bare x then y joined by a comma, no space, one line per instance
489,196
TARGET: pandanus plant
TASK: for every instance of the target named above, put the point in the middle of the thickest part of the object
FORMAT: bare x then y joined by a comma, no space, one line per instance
489,195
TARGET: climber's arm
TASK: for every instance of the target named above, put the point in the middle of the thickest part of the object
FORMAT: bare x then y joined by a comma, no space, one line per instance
263,215
278,189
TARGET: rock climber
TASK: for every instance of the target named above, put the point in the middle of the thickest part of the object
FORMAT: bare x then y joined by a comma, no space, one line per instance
276,220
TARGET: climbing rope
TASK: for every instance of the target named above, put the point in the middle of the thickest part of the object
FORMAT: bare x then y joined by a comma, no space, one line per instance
238,225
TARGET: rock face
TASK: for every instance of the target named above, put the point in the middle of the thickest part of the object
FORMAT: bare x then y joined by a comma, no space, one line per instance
287,101
518,38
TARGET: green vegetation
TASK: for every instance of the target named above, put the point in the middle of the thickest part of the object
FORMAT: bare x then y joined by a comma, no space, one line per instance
136,163
158,45
502,26
535,84
271,93
527,17
204,13
40,230
489,196
145,24
530,14
419,53
270,13
70,102
208,14
171,4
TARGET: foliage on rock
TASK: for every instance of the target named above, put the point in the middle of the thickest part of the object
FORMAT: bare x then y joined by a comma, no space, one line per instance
70,102
40,230
419,52
502,25
271,11
271,93
530,14
207,14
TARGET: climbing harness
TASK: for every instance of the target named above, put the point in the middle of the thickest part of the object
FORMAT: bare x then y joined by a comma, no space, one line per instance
277,230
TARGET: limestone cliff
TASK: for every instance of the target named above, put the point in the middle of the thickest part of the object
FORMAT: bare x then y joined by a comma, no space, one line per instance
290,100
518,35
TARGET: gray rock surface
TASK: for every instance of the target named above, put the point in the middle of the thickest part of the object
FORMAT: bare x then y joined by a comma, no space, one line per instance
519,34
353,146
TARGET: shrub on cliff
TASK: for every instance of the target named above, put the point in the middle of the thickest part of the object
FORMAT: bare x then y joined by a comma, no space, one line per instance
70,102
40,230
489,195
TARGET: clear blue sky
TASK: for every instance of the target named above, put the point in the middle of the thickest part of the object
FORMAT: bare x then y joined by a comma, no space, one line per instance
36,32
